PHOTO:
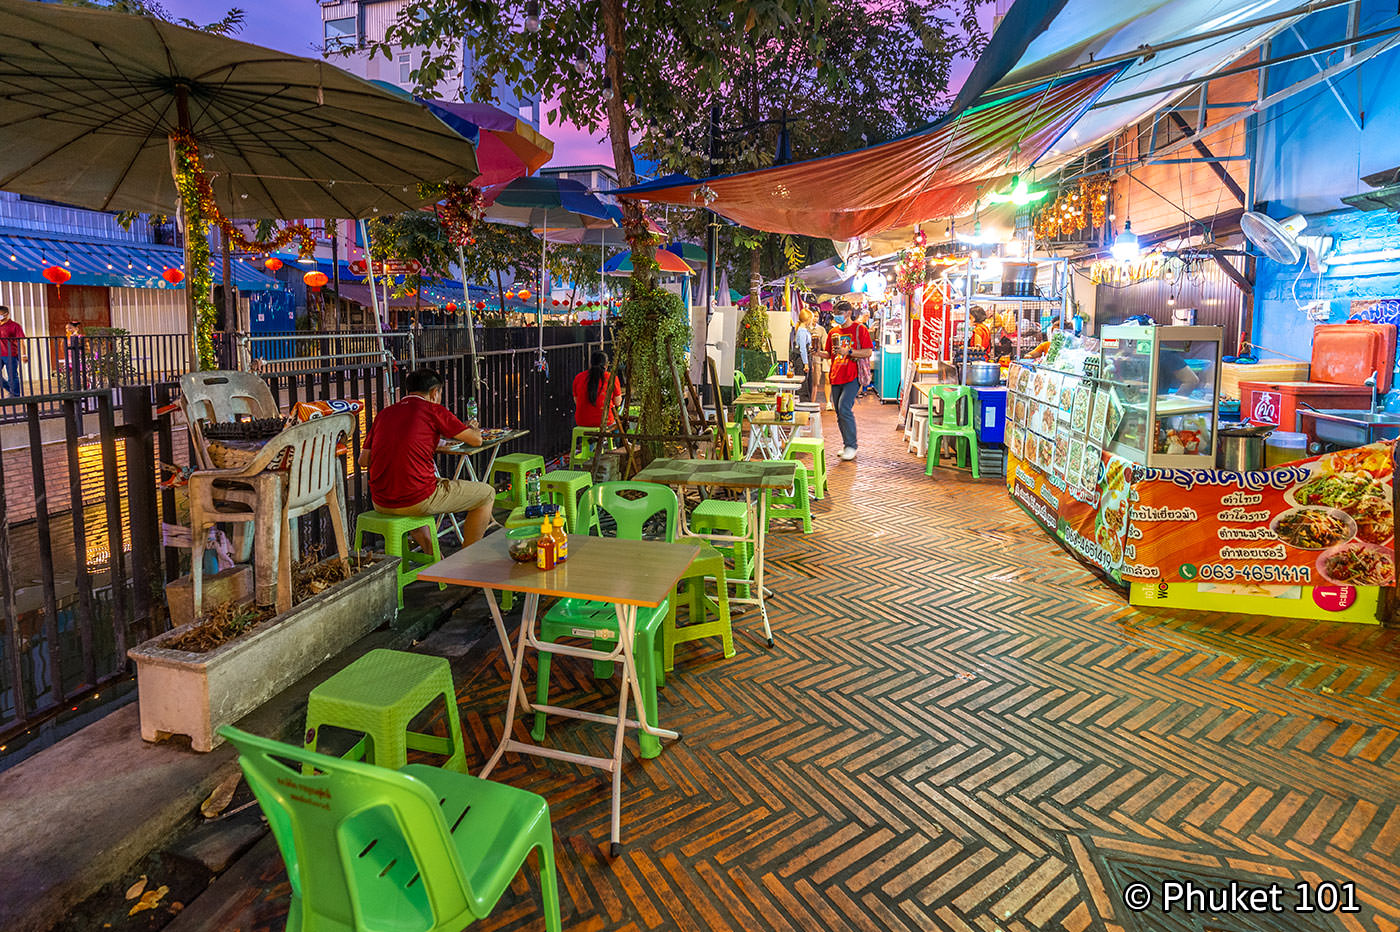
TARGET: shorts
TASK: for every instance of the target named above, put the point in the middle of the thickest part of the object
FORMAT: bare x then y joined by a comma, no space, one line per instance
450,497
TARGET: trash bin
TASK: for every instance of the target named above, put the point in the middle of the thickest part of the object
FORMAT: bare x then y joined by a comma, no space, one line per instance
1242,447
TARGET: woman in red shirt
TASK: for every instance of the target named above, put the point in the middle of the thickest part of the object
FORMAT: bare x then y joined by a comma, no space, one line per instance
589,387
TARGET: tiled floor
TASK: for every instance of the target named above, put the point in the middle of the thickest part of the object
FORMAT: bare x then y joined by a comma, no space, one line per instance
961,728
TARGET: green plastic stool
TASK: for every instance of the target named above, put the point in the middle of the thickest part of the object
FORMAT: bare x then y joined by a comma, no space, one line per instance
950,426
394,529
708,565
716,516
418,848
568,488
816,473
379,695
597,621
581,447
518,467
794,507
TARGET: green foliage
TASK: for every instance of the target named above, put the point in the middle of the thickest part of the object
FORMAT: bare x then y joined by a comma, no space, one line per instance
416,235
230,24
753,329
106,361
654,330
499,255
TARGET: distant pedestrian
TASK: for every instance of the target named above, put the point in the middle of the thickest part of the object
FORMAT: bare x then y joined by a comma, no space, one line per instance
12,352
73,355
847,342
801,353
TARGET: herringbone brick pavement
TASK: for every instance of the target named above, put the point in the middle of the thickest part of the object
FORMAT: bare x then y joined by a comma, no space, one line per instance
960,728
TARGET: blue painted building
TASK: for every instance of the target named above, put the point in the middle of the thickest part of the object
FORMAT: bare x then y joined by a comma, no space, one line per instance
1312,151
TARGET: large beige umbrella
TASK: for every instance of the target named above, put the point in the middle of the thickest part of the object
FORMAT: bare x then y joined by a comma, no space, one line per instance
91,99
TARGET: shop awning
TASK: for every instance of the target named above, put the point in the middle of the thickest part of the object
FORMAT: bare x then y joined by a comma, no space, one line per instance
436,295
934,172
109,263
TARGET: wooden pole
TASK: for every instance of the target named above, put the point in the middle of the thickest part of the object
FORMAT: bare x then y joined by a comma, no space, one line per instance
182,110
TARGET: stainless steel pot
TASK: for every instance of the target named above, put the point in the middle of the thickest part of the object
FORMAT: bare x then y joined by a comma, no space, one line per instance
983,373
1242,448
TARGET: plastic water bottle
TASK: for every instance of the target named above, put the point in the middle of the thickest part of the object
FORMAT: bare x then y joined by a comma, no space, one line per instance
532,488
472,411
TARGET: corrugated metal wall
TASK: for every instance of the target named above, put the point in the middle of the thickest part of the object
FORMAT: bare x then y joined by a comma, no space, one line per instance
148,310
29,305
1205,287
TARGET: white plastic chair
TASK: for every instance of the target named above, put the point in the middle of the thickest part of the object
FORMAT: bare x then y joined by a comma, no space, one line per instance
219,397
308,482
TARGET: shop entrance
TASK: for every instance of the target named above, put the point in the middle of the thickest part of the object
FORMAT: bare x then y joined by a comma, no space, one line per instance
88,305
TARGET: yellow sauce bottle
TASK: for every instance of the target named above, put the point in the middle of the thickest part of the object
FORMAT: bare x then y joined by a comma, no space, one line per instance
544,548
561,539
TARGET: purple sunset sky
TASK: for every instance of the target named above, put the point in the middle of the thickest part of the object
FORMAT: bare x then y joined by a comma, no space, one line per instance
295,26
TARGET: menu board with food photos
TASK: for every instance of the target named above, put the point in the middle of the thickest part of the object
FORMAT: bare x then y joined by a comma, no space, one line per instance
1311,539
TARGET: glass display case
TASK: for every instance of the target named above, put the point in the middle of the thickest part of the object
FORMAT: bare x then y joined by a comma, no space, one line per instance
1163,386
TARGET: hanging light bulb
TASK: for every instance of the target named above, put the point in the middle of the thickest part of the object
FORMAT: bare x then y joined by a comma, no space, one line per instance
532,16
607,88
1171,300
1125,246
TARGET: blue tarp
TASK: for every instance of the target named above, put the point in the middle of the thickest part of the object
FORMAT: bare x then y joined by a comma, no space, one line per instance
112,263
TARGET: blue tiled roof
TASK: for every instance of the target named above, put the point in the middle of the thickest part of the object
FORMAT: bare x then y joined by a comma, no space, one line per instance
111,263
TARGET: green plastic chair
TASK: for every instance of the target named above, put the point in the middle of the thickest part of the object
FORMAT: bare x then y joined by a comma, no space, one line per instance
794,506
379,695
816,473
411,850
951,426
581,443
597,621
394,530
568,488
719,516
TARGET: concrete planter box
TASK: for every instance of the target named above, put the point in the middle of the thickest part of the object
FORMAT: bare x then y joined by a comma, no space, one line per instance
186,693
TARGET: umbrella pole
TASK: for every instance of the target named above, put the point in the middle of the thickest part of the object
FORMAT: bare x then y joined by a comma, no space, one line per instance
374,297
539,313
471,323
182,111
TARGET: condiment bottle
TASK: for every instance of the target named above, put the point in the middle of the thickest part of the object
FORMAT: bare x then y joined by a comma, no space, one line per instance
544,548
561,539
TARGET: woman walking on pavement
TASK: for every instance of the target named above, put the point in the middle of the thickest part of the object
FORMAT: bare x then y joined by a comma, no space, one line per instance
847,342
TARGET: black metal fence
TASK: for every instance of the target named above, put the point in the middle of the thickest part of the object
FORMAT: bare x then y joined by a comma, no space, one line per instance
83,559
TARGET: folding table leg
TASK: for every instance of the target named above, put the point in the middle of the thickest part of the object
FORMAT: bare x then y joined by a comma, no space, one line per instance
626,628
760,534
517,689
505,638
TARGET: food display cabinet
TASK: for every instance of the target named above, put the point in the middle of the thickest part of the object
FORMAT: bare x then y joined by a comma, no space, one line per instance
1163,394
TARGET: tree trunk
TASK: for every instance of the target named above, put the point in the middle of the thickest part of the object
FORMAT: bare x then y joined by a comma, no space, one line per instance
755,278
501,293
634,223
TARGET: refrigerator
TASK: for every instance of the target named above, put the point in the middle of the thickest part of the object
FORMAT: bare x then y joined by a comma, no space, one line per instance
889,371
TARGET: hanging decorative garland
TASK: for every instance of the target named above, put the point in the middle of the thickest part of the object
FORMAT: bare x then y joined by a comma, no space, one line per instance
198,213
208,208
459,210
911,270
1077,208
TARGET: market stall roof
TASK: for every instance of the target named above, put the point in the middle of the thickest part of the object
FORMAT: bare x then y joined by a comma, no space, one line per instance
1160,43
108,263
935,172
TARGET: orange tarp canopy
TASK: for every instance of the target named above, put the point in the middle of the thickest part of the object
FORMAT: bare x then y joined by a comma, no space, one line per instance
933,173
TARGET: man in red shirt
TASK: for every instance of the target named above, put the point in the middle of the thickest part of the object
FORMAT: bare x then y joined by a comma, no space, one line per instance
846,342
12,351
399,451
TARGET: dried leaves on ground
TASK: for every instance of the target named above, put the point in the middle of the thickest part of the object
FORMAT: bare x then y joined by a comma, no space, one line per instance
226,621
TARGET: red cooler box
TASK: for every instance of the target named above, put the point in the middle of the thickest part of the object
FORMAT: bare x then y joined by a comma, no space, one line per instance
1277,402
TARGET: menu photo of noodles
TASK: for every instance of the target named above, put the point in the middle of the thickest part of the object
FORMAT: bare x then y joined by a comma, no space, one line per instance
1098,415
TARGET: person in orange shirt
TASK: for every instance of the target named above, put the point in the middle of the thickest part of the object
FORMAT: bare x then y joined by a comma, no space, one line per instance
981,337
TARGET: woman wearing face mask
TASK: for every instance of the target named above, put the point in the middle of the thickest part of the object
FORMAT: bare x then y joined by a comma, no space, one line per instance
847,342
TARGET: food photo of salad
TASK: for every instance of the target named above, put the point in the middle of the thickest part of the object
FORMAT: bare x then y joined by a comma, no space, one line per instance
1357,564
1362,496
1313,528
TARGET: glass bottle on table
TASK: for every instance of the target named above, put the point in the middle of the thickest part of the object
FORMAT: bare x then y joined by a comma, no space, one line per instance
544,549
561,538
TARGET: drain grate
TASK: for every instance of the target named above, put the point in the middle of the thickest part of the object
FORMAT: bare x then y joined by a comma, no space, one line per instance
1161,876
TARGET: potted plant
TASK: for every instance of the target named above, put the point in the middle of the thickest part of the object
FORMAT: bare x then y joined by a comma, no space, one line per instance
219,668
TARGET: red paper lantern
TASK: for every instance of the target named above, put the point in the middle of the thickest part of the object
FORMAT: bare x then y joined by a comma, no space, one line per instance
57,274
315,280
481,305
524,295
172,275
510,296
450,307
272,263
555,302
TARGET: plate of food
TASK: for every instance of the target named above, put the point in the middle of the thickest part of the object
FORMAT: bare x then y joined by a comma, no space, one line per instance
1067,391
1313,527
1098,412
1038,386
1019,411
1375,461
1356,563
1017,441
1079,416
1363,497
1048,418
